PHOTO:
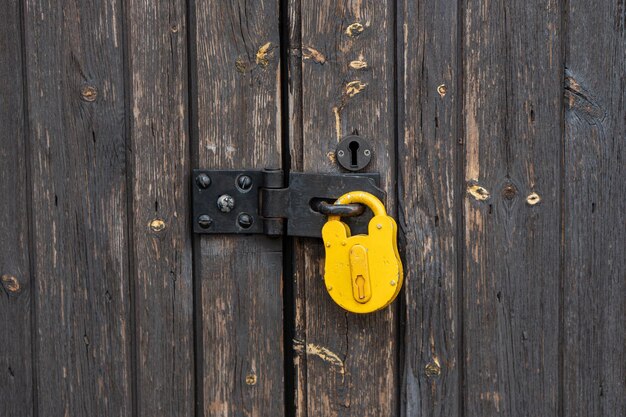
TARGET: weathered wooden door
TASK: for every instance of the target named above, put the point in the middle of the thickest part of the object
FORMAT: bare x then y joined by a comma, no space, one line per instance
499,131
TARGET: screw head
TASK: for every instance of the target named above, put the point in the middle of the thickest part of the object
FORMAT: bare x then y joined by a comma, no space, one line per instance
244,183
205,221
392,282
367,152
244,220
225,203
203,181
379,226
340,153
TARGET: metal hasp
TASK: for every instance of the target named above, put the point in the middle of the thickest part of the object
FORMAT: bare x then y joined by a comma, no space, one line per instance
257,201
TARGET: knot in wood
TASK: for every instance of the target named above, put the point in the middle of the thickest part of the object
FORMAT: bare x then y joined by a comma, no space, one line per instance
432,369
89,93
354,29
10,283
509,192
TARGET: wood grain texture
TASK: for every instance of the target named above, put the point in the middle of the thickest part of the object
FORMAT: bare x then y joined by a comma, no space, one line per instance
512,106
75,99
594,276
341,81
161,230
238,126
427,196
16,387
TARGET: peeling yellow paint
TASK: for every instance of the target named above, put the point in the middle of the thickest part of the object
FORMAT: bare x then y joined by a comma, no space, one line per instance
354,29
533,198
314,54
358,64
478,192
354,87
157,225
321,352
337,113
472,137
264,54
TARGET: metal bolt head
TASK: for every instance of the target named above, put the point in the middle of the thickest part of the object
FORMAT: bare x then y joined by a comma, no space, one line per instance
244,220
379,226
367,152
244,183
392,283
340,153
205,221
225,203
203,181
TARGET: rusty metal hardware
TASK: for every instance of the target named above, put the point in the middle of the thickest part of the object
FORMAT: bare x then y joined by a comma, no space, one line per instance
343,210
258,202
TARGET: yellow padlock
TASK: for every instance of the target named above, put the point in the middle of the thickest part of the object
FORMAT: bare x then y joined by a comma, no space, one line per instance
363,273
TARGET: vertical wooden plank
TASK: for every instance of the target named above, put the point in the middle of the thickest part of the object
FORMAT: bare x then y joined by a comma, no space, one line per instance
238,126
15,280
594,275
341,81
161,230
77,142
427,184
512,107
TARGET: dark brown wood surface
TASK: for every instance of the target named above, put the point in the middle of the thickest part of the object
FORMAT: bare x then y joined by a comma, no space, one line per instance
428,194
75,78
237,123
347,364
162,269
498,129
15,279
512,94
594,223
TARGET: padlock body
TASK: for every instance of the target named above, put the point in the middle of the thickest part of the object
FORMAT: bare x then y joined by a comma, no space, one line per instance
356,284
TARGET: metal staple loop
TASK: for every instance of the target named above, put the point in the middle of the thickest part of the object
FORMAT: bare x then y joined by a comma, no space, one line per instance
343,210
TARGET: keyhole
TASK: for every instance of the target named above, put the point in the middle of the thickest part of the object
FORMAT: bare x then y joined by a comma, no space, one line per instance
354,147
360,282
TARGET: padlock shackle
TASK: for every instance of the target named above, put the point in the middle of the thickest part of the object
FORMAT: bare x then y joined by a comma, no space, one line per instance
362,197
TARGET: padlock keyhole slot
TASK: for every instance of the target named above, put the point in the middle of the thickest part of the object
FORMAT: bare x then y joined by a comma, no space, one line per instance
354,147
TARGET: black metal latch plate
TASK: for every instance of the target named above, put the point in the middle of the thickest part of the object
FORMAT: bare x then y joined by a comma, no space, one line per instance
256,201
